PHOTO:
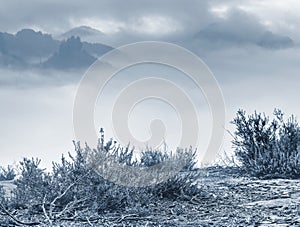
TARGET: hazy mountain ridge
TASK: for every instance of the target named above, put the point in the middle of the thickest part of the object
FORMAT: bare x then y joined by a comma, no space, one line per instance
34,49
70,55
28,48
86,33
218,34
242,29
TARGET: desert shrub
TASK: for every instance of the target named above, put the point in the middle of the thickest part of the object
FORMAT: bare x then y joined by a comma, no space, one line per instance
151,157
7,173
174,187
267,148
82,186
75,188
190,157
32,185
90,190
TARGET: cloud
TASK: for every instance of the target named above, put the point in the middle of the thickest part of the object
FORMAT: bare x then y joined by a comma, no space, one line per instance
279,16
155,25
54,16
237,28
37,121
171,20
33,78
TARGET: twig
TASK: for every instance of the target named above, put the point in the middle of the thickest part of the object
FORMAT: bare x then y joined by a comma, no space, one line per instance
89,222
132,217
45,212
52,204
125,216
227,130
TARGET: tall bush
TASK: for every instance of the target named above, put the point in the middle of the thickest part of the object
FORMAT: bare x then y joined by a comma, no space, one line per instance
33,184
267,148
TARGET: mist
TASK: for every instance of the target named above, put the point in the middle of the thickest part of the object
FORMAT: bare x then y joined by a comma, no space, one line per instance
36,109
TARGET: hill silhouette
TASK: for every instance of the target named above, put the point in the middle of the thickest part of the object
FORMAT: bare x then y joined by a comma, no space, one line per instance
28,48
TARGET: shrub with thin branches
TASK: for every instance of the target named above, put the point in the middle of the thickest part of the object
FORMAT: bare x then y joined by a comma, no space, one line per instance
32,185
267,148
75,189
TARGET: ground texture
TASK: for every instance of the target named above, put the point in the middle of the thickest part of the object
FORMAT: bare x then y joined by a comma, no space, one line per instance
228,199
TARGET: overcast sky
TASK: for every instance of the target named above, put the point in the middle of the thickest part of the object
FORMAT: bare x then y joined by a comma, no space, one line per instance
36,118
151,19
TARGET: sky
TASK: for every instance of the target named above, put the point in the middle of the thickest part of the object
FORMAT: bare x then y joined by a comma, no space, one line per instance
169,19
238,40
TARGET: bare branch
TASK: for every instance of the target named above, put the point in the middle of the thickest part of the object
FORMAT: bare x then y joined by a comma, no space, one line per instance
17,221
52,204
45,212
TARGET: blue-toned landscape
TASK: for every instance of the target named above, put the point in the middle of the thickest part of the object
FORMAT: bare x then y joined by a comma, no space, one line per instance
153,113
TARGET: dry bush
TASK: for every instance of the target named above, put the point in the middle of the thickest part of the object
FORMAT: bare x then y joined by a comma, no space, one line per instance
75,190
267,148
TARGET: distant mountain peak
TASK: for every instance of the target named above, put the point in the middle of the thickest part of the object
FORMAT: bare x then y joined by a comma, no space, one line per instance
27,31
29,48
222,34
85,33
70,55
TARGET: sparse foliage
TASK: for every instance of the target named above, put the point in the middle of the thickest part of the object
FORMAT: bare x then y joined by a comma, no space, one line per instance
267,148
74,190
33,184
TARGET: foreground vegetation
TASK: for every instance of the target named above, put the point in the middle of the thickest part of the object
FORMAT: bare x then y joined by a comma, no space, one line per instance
74,193
267,148
226,198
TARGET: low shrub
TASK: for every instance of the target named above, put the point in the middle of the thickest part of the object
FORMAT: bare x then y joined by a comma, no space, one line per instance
267,148
32,185
75,189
